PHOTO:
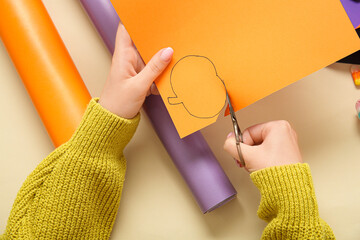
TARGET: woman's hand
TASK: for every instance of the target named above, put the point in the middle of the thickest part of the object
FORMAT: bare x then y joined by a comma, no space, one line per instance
129,80
266,145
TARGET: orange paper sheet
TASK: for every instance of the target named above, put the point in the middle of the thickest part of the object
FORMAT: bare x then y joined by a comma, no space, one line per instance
254,47
44,65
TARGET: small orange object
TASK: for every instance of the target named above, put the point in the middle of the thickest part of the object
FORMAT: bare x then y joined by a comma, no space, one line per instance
44,65
355,72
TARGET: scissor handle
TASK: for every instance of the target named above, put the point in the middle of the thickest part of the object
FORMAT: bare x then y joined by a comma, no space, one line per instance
239,139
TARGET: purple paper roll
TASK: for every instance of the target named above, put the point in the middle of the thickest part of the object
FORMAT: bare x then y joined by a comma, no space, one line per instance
191,155
352,9
105,19
193,158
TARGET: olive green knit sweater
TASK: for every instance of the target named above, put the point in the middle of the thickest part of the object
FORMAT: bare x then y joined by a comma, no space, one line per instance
75,192
289,204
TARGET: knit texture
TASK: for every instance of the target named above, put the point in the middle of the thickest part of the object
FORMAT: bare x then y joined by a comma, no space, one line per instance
288,203
75,192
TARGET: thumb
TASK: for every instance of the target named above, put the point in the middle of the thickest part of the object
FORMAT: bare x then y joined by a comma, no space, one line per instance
156,66
246,150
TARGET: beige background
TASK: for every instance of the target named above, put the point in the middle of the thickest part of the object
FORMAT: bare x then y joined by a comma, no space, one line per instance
156,203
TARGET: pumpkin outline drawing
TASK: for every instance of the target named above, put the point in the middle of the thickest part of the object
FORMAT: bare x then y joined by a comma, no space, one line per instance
176,97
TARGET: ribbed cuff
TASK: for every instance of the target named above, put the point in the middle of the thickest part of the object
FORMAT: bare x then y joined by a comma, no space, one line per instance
102,131
286,190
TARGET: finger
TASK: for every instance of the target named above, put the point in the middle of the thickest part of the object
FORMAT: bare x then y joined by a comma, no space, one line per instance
140,62
125,55
260,132
154,90
123,39
256,134
155,66
231,148
245,136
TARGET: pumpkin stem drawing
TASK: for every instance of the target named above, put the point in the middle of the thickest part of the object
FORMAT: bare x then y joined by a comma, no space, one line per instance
197,86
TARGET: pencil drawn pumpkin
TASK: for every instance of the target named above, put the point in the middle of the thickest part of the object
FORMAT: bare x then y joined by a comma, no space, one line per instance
197,86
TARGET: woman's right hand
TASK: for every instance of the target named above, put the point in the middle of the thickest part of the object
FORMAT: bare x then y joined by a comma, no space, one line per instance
266,145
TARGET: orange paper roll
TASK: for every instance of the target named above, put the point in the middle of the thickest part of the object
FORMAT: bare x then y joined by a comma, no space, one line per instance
44,65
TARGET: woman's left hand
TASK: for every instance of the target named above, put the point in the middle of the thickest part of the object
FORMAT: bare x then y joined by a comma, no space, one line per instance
129,80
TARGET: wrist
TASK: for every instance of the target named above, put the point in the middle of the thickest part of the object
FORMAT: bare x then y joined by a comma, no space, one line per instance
286,189
125,111
102,131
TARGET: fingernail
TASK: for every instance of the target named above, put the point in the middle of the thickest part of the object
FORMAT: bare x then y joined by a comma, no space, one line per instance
238,162
230,135
166,54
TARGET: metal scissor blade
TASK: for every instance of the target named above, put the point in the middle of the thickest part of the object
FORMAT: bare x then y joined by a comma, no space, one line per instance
237,130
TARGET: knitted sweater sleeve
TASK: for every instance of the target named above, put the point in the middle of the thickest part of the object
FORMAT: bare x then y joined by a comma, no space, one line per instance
288,203
75,192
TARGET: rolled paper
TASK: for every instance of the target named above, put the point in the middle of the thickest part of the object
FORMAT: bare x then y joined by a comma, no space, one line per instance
105,19
191,155
193,158
352,8
44,65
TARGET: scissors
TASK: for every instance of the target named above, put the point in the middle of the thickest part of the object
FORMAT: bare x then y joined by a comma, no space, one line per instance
237,130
